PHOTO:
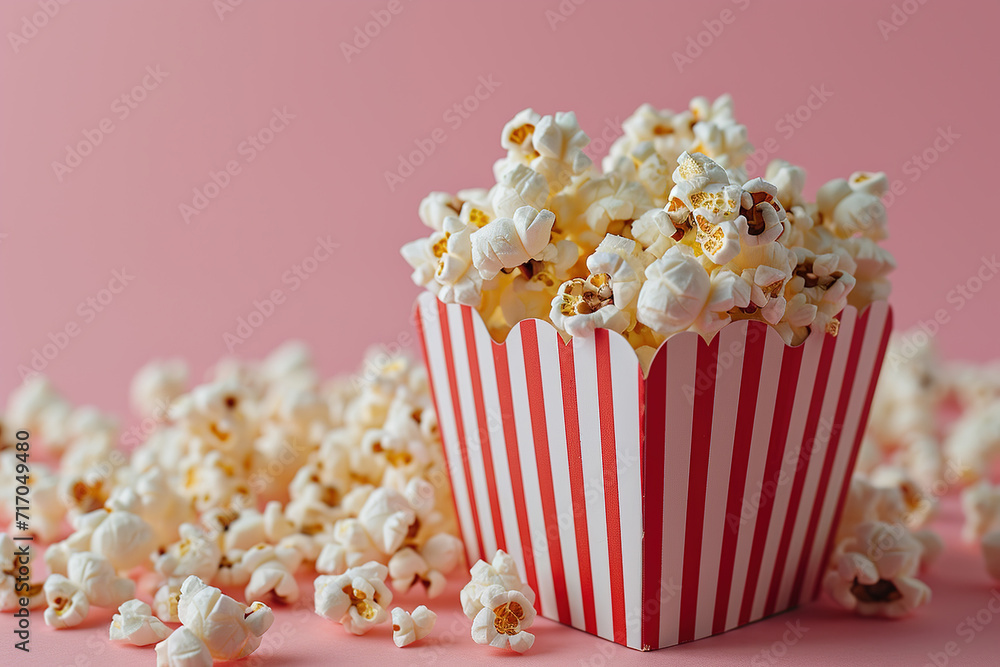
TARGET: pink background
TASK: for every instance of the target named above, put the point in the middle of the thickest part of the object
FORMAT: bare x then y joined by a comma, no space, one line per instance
891,94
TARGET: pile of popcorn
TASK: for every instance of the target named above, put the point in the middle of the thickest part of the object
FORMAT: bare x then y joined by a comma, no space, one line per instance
259,475
934,429
670,236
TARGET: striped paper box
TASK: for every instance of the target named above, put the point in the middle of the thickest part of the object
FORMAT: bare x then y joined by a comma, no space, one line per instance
652,510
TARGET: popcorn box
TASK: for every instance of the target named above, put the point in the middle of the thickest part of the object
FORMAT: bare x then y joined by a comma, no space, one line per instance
653,510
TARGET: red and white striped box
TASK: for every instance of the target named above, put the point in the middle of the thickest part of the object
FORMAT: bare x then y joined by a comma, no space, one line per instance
653,510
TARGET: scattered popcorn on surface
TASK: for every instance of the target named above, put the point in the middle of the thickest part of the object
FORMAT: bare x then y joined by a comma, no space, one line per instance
182,648
229,629
932,432
358,599
408,627
504,619
245,481
585,248
10,594
134,623
874,571
500,605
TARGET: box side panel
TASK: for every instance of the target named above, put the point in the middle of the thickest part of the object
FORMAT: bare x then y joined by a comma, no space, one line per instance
437,352
850,427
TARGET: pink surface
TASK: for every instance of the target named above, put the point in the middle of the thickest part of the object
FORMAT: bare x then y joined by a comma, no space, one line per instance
886,95
818,633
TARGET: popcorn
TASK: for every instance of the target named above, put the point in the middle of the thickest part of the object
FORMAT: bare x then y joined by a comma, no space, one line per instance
437,206
762,213
613,203
196,554
228,629
981,504
165,603
188,500
622,260
358,599
10,592
503,620
125,539
387,519
273,571
874,572
37,407
442,263
96,577
214,414
647,167
517,136
428,566
709,128
134,623
500,572
183,648
854,206
408,627
233,571
974,440
559,142
675,292
507,243
67,603
584,305
548,209
156,385
519,186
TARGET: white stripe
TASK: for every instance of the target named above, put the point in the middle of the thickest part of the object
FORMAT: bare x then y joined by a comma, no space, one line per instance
763,414
498,444
555,422
682,362
625,385
529,471
819,449
786,477
588,407
446,419
729,372
473,445
866,362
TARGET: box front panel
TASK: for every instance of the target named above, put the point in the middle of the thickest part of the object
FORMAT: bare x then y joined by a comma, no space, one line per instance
750,445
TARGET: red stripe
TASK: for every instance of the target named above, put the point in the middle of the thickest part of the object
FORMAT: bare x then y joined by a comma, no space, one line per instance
514,461
802,467
753,359
610,464
701,443
459,425
430,384
536,404
655,427
484,432
831,450
845,484
577,485
791,361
